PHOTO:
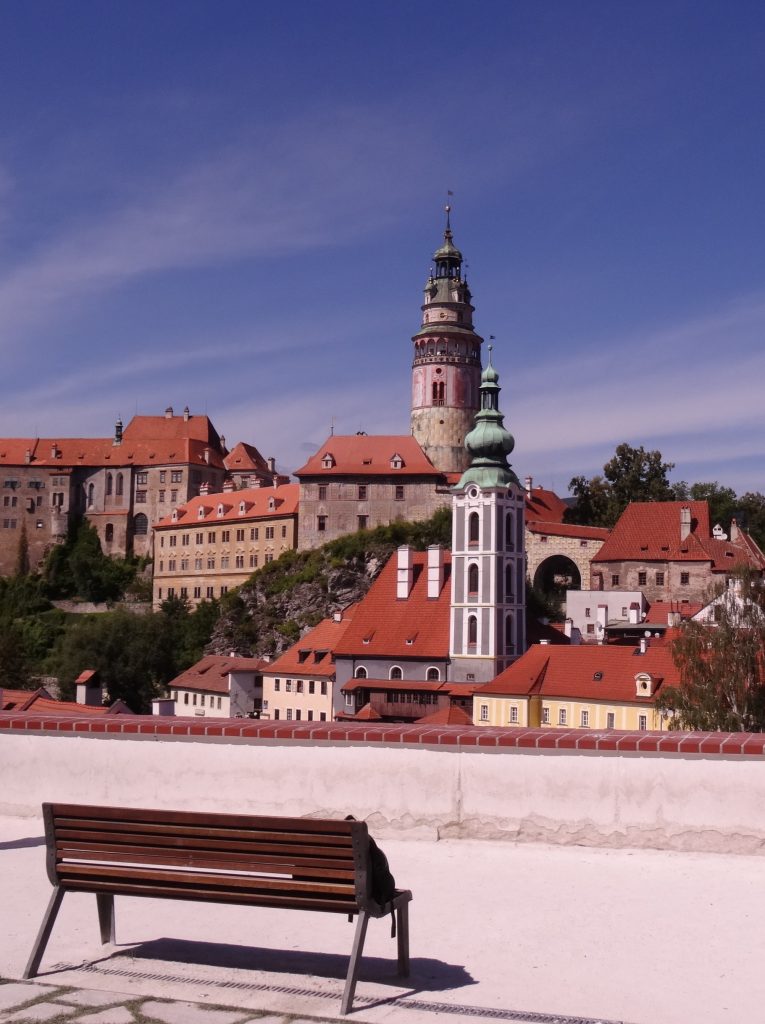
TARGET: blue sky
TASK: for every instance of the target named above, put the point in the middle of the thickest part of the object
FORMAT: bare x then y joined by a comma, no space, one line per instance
233,206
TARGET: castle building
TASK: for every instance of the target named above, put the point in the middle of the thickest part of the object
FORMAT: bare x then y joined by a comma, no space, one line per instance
214,542
446,370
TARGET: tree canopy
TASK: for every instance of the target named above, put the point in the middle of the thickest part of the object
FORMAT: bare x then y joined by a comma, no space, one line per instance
633,474
722,673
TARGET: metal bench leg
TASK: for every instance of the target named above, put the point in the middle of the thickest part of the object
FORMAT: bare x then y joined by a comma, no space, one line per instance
402,933
44,933
355,962
105,902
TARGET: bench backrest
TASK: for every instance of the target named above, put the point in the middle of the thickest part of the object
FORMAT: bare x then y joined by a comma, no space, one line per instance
307,863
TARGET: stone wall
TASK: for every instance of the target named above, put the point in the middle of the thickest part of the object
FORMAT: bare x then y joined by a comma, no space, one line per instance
541,546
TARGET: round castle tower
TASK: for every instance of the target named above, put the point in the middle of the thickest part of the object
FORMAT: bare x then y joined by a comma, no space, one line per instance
446,371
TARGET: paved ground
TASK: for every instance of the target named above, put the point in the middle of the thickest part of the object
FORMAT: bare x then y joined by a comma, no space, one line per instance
528,933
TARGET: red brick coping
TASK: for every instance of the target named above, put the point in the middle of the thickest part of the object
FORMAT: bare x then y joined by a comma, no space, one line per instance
723,743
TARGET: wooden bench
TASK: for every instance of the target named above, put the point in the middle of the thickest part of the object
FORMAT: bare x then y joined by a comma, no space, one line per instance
289,863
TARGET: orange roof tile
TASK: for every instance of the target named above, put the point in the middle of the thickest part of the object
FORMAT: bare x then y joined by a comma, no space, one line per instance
155,428
544,504
572,672
567,530
255,502
210,674
452,715
313,653
417,627
368,455
658,611
89,451
244,457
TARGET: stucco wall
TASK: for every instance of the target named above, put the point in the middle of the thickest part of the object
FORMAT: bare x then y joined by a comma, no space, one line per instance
714,803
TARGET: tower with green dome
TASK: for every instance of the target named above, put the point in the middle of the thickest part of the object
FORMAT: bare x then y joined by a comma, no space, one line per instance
446,370
488,599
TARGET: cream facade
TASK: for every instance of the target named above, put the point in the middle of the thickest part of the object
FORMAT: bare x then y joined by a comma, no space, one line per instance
298,698
215,542
537,712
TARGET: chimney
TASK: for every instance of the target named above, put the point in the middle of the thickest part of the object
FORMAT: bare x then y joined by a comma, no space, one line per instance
435,570
271,464
54,450
117,433
685,522
169,412
644,641
528,484
228,485
204,489
735,533
28,456
633,614
89,690
164,706
567,627
405,572
223,445
186,414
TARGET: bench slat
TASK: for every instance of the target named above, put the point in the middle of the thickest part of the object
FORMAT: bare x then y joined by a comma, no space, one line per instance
192,880
306,867
335,904
256,845
73,828
127,815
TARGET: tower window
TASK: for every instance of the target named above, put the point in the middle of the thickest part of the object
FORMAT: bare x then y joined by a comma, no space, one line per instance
472,630
473,580
473,528
439,389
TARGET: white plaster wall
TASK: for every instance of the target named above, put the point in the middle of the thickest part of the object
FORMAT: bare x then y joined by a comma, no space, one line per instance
666,802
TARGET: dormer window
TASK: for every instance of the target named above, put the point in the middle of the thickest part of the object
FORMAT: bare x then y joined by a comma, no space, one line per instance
396,462
271,504
221,509
328,461
242,508
201,512
174,516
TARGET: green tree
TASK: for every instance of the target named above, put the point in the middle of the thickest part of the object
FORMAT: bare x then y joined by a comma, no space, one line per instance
22,552
79,568
14,666
632,474
722,674
750,514
722,501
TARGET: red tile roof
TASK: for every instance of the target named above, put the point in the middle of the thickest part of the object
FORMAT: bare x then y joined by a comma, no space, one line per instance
417,627
88,451
570,672
244,457
17,700
369,455
210,674
544,504
658,612
568,530
154,428
452,715
650,531
313,653
256,506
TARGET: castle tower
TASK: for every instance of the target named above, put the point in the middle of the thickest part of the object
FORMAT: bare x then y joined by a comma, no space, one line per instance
488,599
446,371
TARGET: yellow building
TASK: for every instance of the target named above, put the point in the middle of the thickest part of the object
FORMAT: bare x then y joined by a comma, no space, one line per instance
216,541
580,687
300,685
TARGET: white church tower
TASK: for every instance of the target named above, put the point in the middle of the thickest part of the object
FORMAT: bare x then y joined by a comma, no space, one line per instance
488,599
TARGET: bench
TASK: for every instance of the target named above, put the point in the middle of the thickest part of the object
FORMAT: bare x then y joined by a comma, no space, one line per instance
289,863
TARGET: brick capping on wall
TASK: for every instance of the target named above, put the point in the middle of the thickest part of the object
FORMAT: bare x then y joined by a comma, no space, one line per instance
724,744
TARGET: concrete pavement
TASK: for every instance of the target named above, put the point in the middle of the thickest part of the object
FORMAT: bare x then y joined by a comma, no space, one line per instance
543,934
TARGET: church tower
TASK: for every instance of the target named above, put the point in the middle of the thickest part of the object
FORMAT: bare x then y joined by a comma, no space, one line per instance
488,600
446,371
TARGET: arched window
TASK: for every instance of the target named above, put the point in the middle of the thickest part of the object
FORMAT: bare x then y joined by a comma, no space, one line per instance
438,392
473,580
91,492
109,533
395,673
109,481
140,525
509,543
509,638
433,675
360,673
119,485
509,581
472,630
473,528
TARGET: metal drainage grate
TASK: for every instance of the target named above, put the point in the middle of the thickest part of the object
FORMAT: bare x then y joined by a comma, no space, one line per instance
454,1009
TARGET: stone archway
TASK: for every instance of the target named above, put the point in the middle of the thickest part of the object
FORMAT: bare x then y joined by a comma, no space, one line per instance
557,574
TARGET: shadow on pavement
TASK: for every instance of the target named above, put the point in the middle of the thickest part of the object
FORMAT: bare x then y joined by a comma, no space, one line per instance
23,844
426,973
